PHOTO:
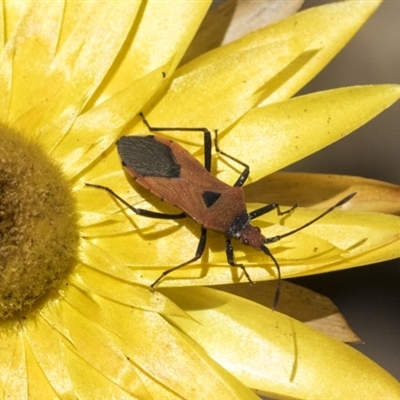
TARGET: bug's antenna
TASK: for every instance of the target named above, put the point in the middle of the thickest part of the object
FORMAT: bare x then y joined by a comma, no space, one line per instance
266,250
279,237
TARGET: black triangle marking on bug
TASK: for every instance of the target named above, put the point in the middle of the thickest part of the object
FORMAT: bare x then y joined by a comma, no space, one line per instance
210,198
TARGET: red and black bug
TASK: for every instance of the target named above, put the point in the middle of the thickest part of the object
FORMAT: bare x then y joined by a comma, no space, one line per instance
173,174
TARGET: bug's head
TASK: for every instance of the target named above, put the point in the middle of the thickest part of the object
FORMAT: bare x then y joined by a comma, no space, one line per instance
251,236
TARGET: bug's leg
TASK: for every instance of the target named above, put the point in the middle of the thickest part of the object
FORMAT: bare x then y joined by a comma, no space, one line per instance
245,174
206,132
138,211
276,238
268,208
231,260
199,252
266,250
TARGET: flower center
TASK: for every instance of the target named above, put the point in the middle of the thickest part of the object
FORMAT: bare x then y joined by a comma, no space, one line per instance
38,223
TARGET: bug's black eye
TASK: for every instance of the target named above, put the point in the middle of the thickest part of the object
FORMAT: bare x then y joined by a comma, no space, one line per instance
246,242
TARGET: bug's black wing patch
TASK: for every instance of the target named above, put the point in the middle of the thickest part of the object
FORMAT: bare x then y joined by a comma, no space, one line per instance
210,197
148,157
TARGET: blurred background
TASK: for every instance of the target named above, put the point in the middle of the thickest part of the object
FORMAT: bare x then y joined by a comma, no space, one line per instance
369,297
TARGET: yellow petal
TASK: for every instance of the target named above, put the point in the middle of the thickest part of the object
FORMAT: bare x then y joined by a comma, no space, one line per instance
97,348
136,296
328,28
331,26
87,346
131,336
272,137
300,303
373,238
47,348
13,12
323,190
38,383
13,371
63,91
102,124
233,19
91,383
161,35
277,355
94,255
217,94
38,48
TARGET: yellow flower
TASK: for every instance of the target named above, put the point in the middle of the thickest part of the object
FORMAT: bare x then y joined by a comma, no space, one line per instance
78,318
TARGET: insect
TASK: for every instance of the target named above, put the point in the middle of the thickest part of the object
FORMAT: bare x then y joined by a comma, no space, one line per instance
173,174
